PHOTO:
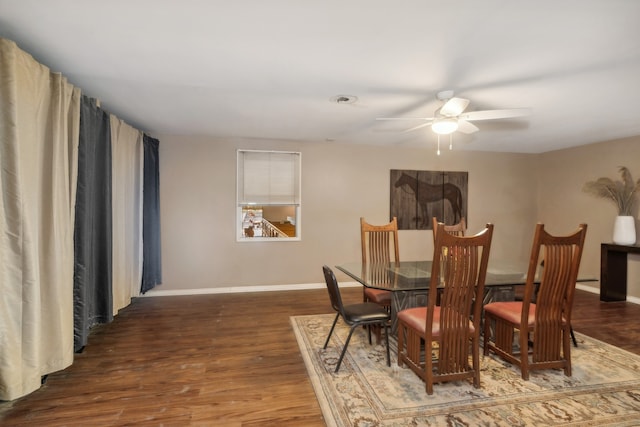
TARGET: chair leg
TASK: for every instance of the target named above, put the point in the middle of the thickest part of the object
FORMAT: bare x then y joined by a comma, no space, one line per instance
344,349
486,335
331,331
475,351
524,354
386,334
428,366
378,332
567,353
401,339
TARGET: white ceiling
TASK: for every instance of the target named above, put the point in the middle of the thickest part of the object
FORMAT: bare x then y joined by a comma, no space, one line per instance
269,69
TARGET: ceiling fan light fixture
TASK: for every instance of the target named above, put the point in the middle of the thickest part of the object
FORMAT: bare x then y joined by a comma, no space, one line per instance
445,126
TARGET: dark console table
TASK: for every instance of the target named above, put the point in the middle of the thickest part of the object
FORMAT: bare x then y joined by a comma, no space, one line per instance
613,271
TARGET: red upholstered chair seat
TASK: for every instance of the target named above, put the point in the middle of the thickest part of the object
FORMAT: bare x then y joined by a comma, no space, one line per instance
378,296
511,311
416,318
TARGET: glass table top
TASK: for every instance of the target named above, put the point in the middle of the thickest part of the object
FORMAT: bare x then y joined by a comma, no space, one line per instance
416,275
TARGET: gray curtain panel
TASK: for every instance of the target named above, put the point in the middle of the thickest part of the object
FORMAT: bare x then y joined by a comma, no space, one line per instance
152,261
92,285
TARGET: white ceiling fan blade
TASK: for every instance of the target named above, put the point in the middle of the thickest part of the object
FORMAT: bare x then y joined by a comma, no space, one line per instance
404,118
454,107
417,127
467,127
496,114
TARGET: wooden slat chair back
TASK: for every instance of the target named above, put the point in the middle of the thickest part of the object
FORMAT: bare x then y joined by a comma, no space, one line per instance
379,246
458,229
544,325
458,272
379,242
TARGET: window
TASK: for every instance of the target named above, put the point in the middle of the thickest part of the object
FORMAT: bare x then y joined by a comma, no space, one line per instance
268,195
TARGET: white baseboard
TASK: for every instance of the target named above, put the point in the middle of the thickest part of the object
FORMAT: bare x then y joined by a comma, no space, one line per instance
586,288
244,289
594,290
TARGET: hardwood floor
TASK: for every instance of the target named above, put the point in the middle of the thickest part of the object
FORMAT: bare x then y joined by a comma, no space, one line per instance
223,360
616,323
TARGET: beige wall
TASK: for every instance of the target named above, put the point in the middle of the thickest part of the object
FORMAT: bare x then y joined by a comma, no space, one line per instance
340,183
562,203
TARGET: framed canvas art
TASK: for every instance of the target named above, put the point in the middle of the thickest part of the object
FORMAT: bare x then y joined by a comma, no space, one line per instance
417,196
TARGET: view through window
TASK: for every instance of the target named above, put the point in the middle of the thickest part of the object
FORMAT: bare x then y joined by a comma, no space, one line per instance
268,195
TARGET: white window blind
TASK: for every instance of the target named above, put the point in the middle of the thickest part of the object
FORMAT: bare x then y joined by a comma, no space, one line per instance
268,178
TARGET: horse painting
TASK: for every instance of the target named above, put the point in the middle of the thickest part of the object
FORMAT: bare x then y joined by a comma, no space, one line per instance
426,193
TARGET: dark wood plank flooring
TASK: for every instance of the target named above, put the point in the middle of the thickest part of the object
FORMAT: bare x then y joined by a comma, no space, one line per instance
223,360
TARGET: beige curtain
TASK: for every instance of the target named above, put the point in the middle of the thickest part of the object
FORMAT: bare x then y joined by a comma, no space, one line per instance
127,164
39,124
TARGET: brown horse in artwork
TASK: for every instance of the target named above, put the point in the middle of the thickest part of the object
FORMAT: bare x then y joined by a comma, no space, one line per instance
426,193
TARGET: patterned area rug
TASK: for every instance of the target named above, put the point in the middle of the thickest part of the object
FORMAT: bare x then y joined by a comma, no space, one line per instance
604,388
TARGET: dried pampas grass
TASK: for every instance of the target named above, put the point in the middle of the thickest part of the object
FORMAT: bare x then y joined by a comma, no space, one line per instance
621,192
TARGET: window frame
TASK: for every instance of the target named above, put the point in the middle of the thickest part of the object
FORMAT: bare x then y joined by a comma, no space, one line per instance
240,205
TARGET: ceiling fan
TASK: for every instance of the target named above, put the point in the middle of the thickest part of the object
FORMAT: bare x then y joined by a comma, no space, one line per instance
450,117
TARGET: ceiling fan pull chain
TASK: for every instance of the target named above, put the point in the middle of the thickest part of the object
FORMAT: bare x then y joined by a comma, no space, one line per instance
450,142
438,144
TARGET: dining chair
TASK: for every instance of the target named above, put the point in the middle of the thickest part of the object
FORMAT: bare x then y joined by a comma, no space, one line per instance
435,341
519,296
360,314
458,229
379,246
544,326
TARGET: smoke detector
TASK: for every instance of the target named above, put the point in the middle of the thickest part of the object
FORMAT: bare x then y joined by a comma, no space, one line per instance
344,99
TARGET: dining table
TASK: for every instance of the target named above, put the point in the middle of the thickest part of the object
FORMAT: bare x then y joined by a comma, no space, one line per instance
409,281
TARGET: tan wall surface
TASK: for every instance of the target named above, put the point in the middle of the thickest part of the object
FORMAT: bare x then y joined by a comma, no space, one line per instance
562,202
341,182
